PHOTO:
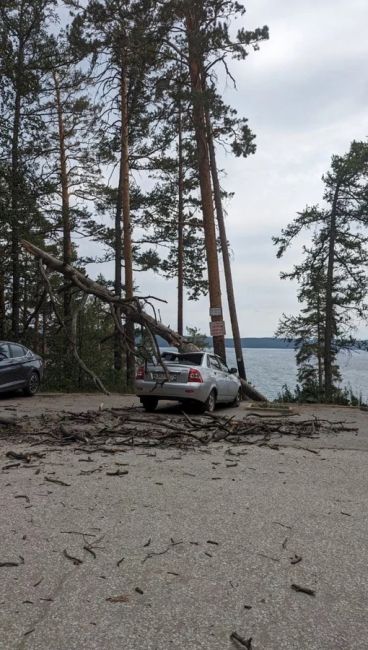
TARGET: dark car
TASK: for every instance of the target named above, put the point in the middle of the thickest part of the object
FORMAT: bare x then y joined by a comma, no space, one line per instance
20,368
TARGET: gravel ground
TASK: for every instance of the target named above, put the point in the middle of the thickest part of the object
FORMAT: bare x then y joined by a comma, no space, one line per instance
212,537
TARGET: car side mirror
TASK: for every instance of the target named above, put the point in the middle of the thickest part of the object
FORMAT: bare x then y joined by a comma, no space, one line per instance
233,371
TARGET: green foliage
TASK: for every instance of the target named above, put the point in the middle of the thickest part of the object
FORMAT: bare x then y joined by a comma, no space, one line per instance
332,277
95,344
310,394
146,42
197,338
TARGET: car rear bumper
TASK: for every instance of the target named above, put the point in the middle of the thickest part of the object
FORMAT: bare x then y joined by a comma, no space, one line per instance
172,391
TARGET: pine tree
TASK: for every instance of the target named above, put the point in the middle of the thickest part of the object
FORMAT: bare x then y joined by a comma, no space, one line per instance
340,249
123,39
208,43
23,57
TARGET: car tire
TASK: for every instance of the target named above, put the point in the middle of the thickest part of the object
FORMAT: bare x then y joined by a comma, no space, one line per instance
33,384
237,400
210,403
149,403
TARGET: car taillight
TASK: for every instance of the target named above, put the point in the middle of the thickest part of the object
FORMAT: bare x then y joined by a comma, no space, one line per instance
140,373
195,376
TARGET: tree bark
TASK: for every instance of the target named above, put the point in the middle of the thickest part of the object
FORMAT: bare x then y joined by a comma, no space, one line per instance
329,322
118,243
225,250
193,35
180,224
2,302
127,226
65,199
319,344
15,193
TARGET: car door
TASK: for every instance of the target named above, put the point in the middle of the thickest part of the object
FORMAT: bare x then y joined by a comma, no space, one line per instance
6,368
228,383
219,377
232,383
20,364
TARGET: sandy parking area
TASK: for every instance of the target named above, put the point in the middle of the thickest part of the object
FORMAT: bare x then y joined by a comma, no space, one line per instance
187,547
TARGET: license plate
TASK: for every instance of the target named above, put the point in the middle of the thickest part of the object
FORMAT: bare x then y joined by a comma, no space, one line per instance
160,376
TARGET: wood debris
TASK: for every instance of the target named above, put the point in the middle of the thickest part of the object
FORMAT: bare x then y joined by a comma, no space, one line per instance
112,430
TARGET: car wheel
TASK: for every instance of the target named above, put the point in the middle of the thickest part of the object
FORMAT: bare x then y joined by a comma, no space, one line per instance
210,403
33,384
237,400
149,403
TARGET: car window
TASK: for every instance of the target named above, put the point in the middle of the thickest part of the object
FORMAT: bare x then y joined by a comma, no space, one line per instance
4,351
193,359
170,356
215,363
224,367
17,350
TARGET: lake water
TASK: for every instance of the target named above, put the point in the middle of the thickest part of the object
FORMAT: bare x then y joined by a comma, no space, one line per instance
268,369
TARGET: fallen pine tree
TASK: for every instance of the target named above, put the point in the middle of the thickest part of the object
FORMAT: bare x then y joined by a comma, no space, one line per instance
133,310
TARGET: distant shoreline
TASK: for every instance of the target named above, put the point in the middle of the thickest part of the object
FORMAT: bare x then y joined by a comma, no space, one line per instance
266,342
248,342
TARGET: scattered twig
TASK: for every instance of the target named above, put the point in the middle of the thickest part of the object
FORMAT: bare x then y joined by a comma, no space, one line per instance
89,549
153,553
283,525
304,590
77,532
118,472
57,481
269,557
124,598
245,643
75,560
21,496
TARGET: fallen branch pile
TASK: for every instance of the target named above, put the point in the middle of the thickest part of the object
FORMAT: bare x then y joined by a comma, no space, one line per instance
110,430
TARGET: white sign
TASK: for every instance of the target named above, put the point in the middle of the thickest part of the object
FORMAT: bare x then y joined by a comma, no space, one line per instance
215,311
217,328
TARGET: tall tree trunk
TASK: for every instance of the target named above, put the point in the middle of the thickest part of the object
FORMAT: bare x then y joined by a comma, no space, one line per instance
15,193
65,199
66,224
118,235
118,245
319,346
192,28
127,226
44,328
329,322
2,301
25,295
225,250
180,224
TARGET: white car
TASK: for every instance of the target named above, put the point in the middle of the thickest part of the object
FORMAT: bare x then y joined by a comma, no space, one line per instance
197,377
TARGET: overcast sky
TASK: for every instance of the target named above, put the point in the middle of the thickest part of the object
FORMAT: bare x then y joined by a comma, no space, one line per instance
306,96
